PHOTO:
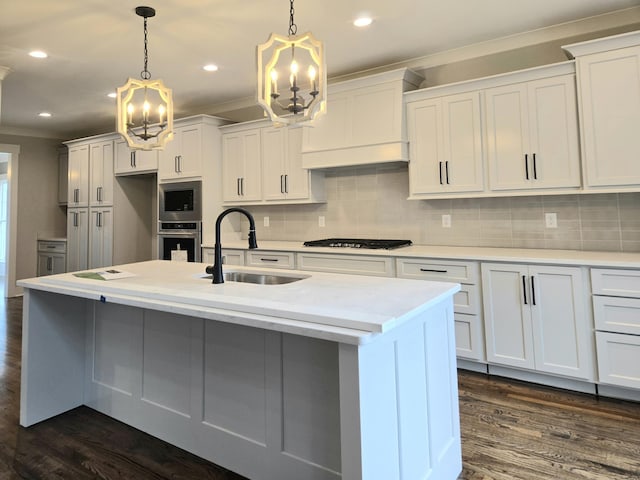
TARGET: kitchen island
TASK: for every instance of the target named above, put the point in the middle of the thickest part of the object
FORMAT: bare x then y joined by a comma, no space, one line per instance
330,376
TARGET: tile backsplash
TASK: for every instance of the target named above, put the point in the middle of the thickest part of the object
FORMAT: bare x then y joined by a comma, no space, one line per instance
371,202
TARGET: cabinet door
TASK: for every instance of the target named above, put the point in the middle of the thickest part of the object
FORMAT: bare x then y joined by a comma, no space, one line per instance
274,160
507,136
63,177
425,143
554,159
77,239
78,176
507,315
101,238
131,162
297,179
610,115
49,264
562,330
101,173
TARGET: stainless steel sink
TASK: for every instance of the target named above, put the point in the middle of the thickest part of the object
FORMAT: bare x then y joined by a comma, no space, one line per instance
260,278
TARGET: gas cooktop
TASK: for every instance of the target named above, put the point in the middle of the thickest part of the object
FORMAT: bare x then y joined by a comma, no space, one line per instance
358,243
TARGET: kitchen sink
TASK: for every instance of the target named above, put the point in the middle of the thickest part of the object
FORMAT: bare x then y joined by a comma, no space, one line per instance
260,278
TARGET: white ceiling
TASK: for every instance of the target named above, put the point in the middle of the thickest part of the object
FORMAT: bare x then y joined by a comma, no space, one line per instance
95,45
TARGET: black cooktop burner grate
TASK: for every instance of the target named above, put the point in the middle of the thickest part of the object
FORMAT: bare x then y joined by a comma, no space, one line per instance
358,243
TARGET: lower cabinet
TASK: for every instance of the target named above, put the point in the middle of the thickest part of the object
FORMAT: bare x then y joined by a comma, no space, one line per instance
89,238
616,308
52,257
77,239
229,256
536,318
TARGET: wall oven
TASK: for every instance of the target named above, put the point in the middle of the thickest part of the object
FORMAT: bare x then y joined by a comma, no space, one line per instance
176,237
180,202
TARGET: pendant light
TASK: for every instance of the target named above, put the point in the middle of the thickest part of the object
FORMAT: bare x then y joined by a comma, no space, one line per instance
292,76
145,107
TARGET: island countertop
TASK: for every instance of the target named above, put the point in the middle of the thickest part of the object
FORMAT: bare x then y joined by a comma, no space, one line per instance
346,308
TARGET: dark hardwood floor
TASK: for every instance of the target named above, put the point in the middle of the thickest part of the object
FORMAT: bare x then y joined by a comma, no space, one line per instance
510,431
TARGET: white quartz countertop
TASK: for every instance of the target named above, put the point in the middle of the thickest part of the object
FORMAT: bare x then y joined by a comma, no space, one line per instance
484,254
333,302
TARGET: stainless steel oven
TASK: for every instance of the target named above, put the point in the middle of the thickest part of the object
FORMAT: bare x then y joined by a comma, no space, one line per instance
180,202
180,236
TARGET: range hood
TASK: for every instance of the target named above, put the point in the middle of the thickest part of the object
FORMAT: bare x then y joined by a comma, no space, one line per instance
364,123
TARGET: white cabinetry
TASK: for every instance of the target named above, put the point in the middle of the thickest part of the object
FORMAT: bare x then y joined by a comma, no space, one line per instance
264,258
608,74
536,319
616,309
100,237
353,264
182,157
77,239
63,176
78,187
132,162
52,257
101,173
241,165
445,141
467,304
364,122
532,135
230,256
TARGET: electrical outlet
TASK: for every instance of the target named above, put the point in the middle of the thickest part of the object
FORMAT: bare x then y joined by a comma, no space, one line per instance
446,221
321,221
265,221
551,220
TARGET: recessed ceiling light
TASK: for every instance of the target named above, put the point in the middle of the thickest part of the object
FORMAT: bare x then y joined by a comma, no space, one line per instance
362,21
210,68
44,114
112,95
38,54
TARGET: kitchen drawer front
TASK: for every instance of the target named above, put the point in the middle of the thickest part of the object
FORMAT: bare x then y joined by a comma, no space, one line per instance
52,247
618,283
229,257
618,359
353,264
616,314
467,300
438,270
469,337
270,259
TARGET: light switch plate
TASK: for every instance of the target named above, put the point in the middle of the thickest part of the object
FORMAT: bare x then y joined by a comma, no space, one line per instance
446,221
265,221
321,221
551,220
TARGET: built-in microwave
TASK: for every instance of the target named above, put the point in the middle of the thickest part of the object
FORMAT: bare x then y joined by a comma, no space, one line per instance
180,202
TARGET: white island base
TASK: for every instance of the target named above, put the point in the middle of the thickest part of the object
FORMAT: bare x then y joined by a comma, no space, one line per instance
270,397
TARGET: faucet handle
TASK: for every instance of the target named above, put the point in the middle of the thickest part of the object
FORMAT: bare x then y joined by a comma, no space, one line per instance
209,269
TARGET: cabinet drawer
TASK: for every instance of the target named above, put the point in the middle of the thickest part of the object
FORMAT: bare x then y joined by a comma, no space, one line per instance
615,314
353,264
618,283
270,259
618,356
439,270
467,300
469,337
52,247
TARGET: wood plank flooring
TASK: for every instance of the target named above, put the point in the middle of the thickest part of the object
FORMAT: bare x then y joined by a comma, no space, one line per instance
510,431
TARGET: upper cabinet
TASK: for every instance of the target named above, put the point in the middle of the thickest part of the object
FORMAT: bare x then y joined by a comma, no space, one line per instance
263,164
78,185
133,162
510,134
363,124
532,135
608,75
445,145
101,173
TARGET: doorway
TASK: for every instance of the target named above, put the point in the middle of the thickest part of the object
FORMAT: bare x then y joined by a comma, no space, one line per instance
8,219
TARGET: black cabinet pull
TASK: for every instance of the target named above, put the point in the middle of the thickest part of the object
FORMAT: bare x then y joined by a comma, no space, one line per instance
268,259
433,270
238,186
526,166
533,291
446,171
440,171
535,170
286,184
524,289
281,183
133,159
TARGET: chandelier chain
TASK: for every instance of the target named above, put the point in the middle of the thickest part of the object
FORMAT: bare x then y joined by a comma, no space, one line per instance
293,28
145,74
